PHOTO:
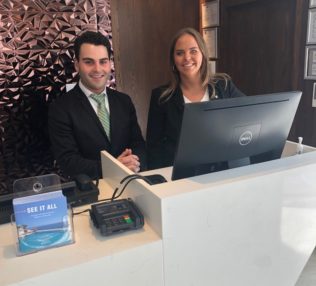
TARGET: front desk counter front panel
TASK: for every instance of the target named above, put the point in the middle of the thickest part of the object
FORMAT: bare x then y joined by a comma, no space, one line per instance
132,258
254,225
255,232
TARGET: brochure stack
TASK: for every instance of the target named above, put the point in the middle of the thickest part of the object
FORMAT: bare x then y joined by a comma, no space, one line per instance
41,215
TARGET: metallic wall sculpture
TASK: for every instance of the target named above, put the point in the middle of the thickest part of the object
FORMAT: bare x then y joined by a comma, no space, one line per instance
36,56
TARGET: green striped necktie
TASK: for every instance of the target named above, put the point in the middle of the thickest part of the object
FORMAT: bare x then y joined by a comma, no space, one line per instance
103,113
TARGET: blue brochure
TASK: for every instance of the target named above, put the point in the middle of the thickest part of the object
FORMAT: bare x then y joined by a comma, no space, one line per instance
42,221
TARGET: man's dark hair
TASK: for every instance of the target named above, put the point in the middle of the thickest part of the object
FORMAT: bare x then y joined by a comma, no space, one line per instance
94,38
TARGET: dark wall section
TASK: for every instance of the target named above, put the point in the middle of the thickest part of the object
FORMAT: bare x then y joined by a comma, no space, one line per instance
257,41
262,46
142,32
36,56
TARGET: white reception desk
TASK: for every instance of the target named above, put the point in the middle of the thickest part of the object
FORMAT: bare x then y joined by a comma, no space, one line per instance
253,225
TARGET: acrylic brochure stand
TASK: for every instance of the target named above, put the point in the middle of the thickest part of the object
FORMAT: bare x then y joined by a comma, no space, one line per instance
42,218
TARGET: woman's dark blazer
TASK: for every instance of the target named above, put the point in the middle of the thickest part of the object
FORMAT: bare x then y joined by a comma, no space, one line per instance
164,122
77,135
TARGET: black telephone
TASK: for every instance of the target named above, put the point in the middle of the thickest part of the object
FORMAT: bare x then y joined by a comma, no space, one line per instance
81,191
116,216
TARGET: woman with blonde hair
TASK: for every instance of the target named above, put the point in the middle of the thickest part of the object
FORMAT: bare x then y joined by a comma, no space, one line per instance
191,81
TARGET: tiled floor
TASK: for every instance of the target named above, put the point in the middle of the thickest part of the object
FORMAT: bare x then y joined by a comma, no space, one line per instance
308,276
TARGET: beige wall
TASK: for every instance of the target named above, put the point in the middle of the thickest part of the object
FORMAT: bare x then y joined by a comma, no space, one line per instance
142,31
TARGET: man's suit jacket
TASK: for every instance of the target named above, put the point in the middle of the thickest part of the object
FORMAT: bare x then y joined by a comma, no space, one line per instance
164,122
77,135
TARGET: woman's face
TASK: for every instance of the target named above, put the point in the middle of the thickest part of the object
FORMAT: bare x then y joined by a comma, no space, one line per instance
187,56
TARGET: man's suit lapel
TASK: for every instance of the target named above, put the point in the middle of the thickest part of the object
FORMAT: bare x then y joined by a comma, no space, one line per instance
114,116
88,109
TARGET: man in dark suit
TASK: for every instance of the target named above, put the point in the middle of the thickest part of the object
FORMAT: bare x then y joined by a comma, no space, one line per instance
77,131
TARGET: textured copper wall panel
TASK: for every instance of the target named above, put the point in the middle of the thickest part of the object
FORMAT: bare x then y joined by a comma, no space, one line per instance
40,30
36,61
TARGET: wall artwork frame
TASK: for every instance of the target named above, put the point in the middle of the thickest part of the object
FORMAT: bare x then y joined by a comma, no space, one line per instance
310,62
311,27
312,3
210,38
314,95
212,66
210,14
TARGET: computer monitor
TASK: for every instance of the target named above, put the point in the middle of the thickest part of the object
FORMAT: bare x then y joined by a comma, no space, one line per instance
227,133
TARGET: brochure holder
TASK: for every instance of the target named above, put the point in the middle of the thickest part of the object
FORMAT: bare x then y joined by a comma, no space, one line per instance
42,219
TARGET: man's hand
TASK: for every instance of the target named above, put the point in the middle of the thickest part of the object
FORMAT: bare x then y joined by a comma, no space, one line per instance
129,160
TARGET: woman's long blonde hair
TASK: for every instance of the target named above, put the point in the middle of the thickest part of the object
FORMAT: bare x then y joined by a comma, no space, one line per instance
205,71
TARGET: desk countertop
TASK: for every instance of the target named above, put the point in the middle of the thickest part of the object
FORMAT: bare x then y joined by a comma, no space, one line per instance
89,247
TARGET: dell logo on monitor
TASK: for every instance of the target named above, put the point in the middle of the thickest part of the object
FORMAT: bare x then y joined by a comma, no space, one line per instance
245,138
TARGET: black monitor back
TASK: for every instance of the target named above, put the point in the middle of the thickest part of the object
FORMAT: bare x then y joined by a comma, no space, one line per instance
227,133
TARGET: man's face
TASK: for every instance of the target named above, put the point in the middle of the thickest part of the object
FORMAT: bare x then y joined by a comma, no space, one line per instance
94,67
